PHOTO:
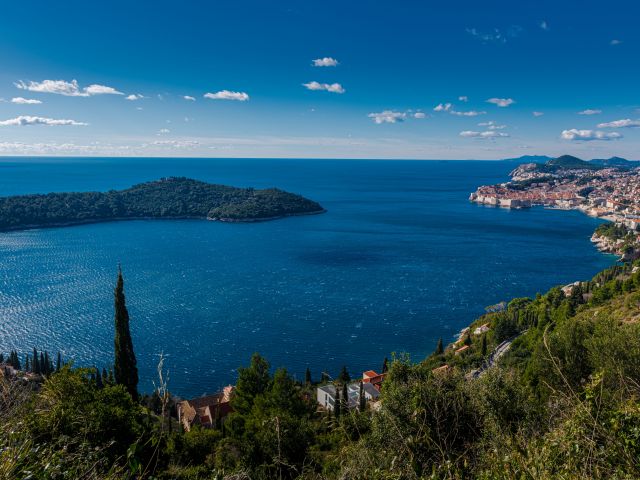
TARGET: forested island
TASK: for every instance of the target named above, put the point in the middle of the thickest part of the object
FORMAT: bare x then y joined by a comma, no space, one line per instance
167,198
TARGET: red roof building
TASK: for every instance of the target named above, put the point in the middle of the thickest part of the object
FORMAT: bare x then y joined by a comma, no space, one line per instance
208,411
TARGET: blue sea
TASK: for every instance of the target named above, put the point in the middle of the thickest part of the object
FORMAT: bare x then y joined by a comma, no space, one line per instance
400,259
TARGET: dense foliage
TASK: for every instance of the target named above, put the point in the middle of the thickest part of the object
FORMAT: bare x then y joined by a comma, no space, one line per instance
563,402
613,231
165,198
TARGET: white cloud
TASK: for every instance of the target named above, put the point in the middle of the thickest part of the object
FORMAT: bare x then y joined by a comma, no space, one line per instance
442,107
176,143
325,62
537,114
463,98
496,35
227,95
470,113
491,125
615,42
501,102
625,123
24,120
590,111
25,101
388,116
69,89
419,115
101,90
329,87
588,135
134,96
483,135
190,98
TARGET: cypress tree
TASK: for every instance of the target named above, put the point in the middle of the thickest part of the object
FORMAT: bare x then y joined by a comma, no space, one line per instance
43,367
1,357
385,365
484,346
26,362
344,376
363,402
125,365
467,339
440,347
345,398
16,360
99,383
58,362
105,377
307,377
47,363
338,404
35,364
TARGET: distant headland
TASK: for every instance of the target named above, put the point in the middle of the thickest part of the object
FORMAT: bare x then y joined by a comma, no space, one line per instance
603,188
167,198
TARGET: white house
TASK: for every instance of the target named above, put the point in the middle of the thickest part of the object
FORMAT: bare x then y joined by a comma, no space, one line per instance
326,395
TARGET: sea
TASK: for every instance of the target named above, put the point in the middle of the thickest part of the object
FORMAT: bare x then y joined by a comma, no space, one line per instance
400,259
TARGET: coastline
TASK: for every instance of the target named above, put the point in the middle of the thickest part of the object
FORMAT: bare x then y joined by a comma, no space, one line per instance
124,219
264,219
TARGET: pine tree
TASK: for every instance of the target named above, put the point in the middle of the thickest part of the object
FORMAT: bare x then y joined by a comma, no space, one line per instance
440,347
385,365
125,365
307,377
344,376
58,362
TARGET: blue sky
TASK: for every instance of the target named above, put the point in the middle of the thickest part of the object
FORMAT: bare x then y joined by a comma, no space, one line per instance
403,79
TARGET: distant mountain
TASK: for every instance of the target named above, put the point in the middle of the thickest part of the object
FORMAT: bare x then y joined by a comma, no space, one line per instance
570,162
529,159
614,162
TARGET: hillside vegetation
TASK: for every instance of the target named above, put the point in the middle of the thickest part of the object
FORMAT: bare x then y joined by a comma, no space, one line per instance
166,198
563,402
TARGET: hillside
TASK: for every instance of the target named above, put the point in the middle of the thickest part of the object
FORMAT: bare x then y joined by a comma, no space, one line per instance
528,159
162,199
544,387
